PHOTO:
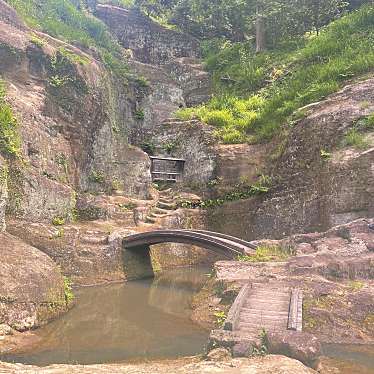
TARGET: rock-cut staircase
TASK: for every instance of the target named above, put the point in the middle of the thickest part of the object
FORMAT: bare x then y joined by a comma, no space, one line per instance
166,204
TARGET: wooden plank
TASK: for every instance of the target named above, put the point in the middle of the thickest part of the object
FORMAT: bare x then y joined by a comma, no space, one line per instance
232,320
295,314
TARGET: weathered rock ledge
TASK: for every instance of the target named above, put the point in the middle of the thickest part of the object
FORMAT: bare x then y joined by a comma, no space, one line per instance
265,365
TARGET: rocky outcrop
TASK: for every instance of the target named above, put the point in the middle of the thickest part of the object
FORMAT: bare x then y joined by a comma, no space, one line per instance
168,61
335,271
149,42
191,140
87,253
263,365
31,286
317,183
74,122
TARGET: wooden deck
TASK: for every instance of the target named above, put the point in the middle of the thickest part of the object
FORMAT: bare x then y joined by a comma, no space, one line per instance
265,306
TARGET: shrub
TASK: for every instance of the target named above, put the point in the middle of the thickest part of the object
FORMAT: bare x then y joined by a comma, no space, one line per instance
97,176
10,141
58,221
139,114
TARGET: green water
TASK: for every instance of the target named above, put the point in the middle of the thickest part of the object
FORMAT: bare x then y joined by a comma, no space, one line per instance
145,319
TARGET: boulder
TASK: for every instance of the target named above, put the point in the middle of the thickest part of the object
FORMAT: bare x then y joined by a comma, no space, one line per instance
31,286
298,345
219,354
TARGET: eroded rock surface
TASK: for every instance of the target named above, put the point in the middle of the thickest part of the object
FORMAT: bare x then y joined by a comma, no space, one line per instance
31,285
75,132
266,365
311,192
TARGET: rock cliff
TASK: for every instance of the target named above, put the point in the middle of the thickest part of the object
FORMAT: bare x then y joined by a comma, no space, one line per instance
317,181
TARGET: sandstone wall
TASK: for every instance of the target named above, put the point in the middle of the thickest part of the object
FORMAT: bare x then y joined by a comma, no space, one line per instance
167,59
149,42
75,132
192,141
311,192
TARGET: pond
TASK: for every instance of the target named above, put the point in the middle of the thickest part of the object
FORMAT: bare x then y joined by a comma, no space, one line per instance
351,359
139,320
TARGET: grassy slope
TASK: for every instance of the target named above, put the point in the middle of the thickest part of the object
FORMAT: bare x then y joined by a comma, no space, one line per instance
259,93
64,20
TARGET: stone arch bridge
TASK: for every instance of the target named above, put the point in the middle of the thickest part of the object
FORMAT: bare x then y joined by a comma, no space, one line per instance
136,248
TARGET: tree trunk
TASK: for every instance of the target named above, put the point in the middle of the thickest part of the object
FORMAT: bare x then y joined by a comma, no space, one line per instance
260,32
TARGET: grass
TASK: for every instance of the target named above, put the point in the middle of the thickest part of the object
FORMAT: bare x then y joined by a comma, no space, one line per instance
10,141
69,295
74,24
355,285
267,253
257,93
355,139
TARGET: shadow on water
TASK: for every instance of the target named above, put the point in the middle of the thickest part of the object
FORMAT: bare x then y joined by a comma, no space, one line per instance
136,320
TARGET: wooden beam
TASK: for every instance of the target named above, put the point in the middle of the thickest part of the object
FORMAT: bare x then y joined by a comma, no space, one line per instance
295,313
232,320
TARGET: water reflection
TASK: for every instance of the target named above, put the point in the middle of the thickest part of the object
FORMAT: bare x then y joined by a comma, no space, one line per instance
142,319
351,359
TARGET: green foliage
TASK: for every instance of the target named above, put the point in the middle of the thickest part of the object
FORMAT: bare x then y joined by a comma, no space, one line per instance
97,176
220,318
68,290
68,20
267,253
58,221
242,191
128,206
219,288
170,147
355,139
62,161
325,155
74,57
39,42
142,82
10,141
139,114
355,285
279,82
148,147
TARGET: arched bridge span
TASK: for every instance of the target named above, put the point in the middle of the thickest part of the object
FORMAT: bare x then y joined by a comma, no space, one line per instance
136,247
226,245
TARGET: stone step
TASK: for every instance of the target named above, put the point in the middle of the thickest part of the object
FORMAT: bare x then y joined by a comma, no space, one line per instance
87,239
157,215
167,206
162,211
150,220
